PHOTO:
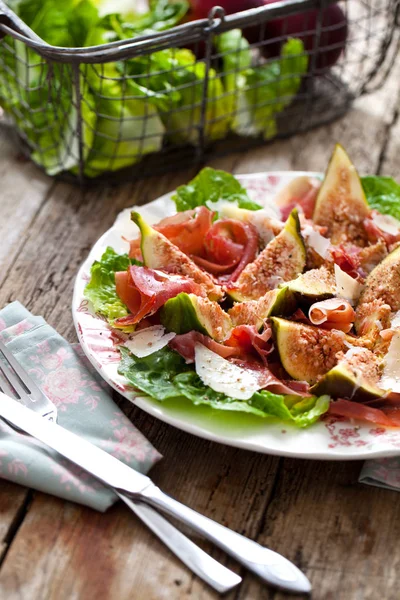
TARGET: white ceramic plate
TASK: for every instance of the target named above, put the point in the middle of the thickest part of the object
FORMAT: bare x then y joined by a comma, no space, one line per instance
328,439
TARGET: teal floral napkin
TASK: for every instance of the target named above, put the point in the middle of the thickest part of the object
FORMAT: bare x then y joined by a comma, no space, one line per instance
382,472
84,406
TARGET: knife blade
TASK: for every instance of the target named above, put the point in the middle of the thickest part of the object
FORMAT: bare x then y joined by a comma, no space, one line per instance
267,564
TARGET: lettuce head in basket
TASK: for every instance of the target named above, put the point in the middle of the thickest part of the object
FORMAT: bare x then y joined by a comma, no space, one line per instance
114,113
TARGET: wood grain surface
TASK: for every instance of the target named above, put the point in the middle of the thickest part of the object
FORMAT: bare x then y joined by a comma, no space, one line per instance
344,535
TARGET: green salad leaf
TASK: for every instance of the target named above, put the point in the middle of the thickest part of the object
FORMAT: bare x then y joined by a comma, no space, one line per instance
165,375
257,95
58,23
153,374
101,291
162,14
128,125
383,194
210,186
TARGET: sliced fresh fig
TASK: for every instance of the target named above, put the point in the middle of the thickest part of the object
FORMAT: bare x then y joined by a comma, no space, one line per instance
187,312
384,282
355,377
306,352
313,286
159,253
341,205
372,316
372,255
279,302
282,260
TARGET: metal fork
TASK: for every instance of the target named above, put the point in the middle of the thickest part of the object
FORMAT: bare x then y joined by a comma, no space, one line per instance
16,383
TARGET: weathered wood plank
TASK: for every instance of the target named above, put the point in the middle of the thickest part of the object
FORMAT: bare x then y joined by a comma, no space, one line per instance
344,535
12,511
112,556
23,190
65,229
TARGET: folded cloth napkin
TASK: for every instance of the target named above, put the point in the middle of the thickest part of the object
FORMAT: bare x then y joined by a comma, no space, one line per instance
84,407
382,472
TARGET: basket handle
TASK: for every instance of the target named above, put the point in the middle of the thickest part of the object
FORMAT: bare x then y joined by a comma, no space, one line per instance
9,20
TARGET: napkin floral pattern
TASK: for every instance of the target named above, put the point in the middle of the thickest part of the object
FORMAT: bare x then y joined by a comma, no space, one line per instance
84,406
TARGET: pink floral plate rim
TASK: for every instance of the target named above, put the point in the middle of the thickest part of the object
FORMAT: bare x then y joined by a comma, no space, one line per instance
329,439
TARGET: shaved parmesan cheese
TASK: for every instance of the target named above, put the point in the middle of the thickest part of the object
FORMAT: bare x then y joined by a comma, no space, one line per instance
265,221
231,210
222,205
223,376
386,223
390,379
149,340
346,286
316,241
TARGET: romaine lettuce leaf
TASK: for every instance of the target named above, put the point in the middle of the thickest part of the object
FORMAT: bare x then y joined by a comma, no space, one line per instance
42,99
129,125
58,23
210,186
100,290
178,80
184,116
383,194
165,375
163,14
153,374
257,95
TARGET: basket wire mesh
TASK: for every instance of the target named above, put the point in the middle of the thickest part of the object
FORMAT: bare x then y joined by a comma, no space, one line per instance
146,105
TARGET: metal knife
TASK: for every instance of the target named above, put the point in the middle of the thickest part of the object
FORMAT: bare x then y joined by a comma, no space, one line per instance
268,565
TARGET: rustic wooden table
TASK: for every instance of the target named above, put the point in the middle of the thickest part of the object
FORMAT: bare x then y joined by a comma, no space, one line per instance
342,534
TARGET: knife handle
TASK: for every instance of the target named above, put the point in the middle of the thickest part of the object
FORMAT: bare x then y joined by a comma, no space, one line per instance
268,565
202,564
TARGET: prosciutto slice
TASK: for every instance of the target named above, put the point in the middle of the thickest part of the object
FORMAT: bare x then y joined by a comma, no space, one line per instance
334,313
228,247
348,258
185,344
301,191
382,227
267,380
145,290
361,412
247,339
186,230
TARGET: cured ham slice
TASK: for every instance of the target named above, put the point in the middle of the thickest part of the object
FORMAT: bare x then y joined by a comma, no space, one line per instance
301,191
185,344
267,380
334,313
248,340
382,227
361,412
347,257
228,247
186,230
145,290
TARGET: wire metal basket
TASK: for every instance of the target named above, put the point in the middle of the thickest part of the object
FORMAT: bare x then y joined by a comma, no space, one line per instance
145,105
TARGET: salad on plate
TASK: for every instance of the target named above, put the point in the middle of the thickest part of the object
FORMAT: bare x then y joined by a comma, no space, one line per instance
288,311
